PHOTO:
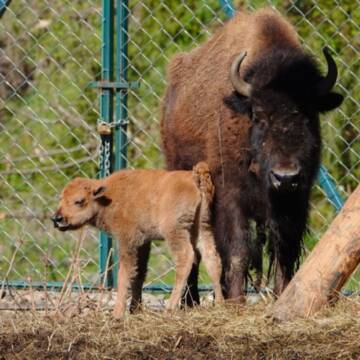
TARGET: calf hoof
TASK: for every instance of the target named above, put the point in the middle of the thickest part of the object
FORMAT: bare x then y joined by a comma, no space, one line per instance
219,300
118,313
170,306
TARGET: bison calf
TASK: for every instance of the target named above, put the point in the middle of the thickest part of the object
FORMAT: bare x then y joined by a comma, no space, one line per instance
137,206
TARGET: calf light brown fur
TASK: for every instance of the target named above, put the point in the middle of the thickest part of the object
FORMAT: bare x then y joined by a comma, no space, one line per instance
137,206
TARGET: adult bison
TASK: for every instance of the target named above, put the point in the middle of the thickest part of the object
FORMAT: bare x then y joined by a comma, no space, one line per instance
247,102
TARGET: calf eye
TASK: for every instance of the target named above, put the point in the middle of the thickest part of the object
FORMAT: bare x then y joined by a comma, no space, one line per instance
80,202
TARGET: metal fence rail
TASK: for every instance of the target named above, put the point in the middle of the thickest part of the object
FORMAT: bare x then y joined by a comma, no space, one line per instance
50,51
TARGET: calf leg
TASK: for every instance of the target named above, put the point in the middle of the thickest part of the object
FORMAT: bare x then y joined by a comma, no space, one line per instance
183,254
179,161
211,258
137,282
127,268
235,274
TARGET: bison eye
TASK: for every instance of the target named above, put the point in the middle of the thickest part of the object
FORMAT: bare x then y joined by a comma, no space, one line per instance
256,118
263,123
80,202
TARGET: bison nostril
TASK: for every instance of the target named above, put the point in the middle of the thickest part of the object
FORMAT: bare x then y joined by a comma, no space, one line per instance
276,176
285,177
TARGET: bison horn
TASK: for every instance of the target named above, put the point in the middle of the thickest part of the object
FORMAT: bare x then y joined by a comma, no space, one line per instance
241,86
327,83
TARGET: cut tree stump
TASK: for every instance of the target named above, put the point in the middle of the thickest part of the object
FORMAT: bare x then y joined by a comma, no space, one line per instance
325,271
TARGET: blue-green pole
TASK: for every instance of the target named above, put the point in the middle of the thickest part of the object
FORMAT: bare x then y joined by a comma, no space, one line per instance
120,134
329,187
106,113
58,285
228,7
4,4
324,178
122,14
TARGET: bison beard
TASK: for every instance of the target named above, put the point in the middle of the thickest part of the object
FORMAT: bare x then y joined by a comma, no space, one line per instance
261,141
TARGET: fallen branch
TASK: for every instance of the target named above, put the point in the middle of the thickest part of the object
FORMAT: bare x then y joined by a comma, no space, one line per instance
328,267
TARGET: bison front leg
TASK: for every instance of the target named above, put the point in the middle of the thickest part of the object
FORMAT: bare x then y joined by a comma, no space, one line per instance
286,241
238,263
257,254
232,237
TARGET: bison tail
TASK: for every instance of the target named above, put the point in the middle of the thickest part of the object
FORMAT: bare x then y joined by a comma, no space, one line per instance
202,178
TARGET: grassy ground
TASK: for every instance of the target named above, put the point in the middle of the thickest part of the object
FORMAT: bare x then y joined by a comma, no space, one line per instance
222,332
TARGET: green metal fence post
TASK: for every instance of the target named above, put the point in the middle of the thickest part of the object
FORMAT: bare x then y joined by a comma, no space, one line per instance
4,4
120,135
106,113
122,13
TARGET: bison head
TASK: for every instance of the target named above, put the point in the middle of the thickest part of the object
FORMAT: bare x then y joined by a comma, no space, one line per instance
80,202
283,97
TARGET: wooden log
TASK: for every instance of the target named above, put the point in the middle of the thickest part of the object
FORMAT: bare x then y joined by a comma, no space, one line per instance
327,268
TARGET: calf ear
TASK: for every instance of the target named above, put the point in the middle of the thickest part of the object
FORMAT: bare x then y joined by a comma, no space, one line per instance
99,196
329,102
99,192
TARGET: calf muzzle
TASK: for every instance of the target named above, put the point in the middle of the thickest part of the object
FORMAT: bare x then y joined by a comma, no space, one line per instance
57,218
59,222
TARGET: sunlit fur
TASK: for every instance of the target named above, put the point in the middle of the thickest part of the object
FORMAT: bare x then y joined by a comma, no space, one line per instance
244,139
137,206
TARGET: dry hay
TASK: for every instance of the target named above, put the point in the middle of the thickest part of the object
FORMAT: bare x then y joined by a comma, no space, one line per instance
220,332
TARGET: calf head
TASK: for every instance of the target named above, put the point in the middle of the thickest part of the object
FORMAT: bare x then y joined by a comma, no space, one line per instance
283,101
80,203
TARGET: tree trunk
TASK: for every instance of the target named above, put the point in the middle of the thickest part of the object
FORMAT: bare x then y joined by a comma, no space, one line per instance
329,265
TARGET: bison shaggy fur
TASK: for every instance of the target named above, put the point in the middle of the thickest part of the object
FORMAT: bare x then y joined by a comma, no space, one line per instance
262,144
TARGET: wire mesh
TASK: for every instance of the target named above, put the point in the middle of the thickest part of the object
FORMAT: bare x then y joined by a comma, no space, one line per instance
50,52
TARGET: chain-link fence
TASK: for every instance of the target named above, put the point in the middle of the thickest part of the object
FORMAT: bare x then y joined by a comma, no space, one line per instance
50,52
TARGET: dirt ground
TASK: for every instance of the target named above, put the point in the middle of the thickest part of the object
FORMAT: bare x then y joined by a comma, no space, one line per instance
86,330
